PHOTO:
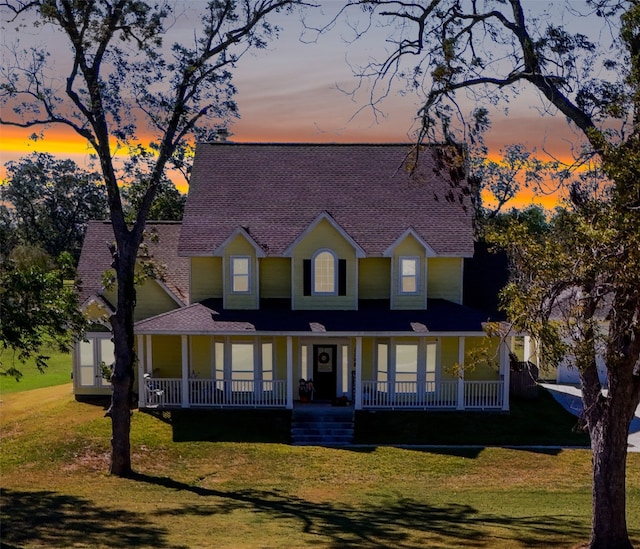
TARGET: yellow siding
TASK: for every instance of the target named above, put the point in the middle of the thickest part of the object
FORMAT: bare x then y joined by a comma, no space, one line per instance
206,278
201,356
275,277
368,357
280,366
409,247
151,300
374,278
239,246
483,369
444,278
324,235
448,358
167,356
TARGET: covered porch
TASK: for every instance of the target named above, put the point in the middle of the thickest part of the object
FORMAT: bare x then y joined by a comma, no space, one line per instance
374,357
209,393
233,371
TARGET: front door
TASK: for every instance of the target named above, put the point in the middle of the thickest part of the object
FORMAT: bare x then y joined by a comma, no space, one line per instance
325,372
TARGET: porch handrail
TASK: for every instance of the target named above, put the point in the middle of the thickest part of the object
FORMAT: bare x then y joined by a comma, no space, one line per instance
167,392
234,392
409,394
162,391
483,394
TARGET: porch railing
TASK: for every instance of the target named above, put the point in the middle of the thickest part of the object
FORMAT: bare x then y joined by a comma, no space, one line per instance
163,392
483,394
409,394
437,395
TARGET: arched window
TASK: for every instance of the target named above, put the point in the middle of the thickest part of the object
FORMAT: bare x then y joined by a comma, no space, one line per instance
324,272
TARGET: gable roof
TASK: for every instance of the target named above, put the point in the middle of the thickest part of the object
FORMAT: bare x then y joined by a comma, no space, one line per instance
275,191
95,258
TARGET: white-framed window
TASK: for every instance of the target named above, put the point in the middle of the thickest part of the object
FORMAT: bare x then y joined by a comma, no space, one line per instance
92,353
241,274
382,370
407,366
304,362
219,361
409,275
431,366
324,272
242,362
267,366
407,362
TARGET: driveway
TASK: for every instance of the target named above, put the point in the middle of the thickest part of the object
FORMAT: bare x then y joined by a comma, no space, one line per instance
571,398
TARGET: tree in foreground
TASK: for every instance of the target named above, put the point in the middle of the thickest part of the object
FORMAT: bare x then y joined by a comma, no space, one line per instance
37,308
123,82
52,201
588,265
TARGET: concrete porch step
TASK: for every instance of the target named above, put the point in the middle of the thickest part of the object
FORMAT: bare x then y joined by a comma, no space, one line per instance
322,426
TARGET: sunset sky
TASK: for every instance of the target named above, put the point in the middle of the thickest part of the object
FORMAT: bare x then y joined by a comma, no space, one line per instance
293,92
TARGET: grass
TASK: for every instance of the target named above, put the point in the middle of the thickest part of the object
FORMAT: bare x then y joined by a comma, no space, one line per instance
196,493
58,372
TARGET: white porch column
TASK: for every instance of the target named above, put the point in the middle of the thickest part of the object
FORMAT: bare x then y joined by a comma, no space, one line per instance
289,373
460,405
505,371
185,371
140,371
527,348
358,388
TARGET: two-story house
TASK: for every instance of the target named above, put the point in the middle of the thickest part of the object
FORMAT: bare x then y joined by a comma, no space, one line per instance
336,264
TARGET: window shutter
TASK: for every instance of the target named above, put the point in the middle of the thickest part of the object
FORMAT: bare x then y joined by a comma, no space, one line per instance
306,277
342,277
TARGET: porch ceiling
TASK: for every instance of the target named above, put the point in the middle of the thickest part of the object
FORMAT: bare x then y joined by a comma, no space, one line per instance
275,315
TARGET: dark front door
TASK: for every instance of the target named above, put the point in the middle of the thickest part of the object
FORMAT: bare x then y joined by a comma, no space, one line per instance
324,371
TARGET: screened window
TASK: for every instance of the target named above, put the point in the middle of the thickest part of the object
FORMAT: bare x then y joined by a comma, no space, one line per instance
240,273
409,275
324,273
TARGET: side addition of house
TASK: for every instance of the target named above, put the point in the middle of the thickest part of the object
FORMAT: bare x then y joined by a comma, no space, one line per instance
337,267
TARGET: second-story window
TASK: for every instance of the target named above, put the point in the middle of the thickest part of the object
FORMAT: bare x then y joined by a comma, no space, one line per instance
240,275
409,269
324,273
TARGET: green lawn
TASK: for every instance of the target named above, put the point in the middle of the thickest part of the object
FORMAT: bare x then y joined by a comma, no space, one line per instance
197,493
57,372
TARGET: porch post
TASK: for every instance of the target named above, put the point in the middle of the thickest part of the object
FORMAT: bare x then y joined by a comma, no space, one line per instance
505,370
460,405
358,388
527,348
289,373
140,370
185,372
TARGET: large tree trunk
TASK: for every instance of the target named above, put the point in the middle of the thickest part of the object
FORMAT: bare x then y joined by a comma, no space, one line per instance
608,419
609,457
123,372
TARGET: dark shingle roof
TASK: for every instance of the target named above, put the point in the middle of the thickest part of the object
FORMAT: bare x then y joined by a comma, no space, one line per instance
275,315
276,191
95,258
